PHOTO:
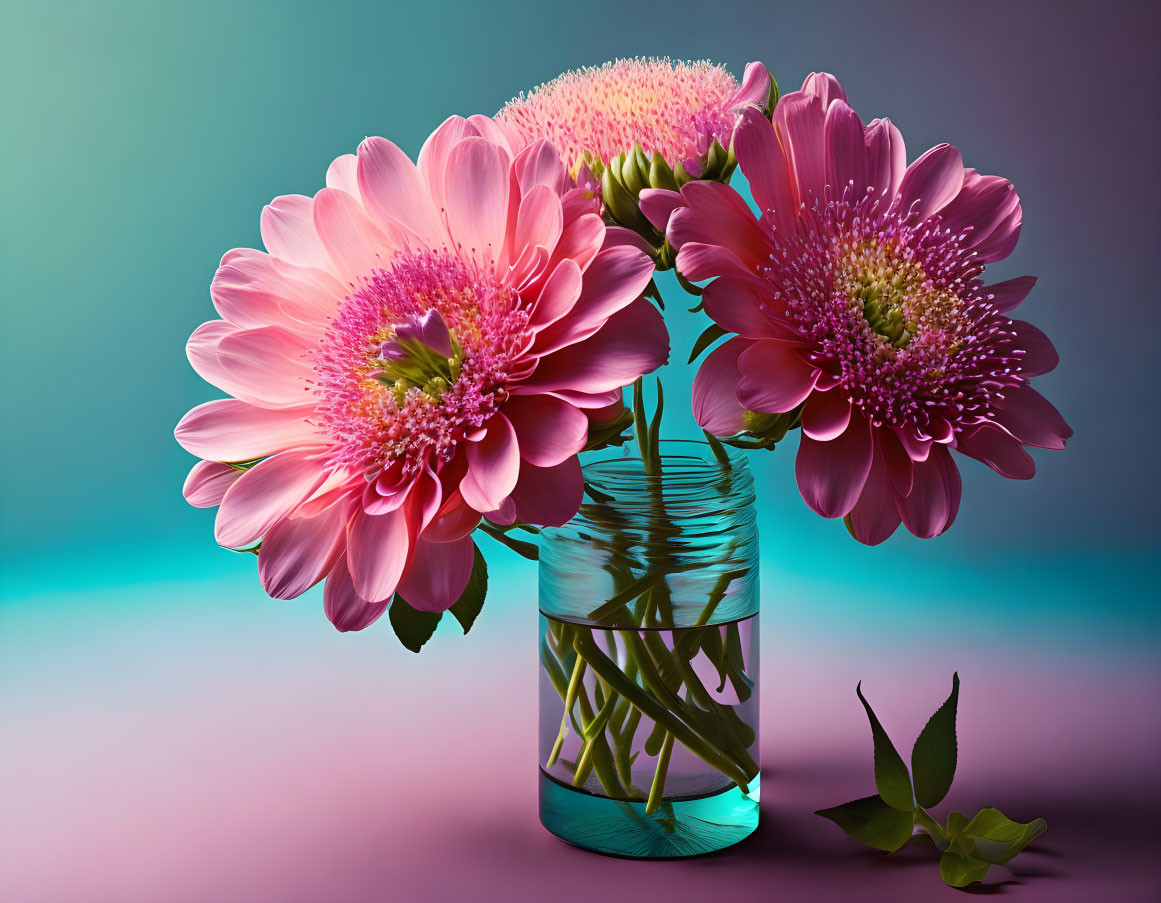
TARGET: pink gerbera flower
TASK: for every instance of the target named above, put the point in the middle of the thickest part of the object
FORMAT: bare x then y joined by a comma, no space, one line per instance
420,347
857,298
676,109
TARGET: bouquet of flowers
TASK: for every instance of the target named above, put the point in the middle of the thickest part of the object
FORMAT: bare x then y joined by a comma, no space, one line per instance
425,349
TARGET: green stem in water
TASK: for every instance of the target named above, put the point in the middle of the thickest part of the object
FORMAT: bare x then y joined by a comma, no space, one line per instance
578,673
657,790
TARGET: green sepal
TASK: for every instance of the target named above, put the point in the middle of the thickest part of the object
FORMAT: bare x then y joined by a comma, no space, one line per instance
413,627
997,838
891,778
871,821
712,333
959,869
933,758
467,607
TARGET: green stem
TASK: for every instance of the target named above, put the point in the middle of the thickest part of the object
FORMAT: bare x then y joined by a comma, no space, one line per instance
574,683
657,790
527,550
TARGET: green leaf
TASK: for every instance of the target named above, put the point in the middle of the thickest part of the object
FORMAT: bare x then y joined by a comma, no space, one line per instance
960,870
712,333
471,600
997,838
933,758
891,778
414,628
871,821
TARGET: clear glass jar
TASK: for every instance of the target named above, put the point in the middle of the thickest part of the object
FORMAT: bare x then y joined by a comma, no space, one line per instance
649,658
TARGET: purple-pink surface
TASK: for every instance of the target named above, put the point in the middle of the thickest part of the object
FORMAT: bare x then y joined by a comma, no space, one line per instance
152,755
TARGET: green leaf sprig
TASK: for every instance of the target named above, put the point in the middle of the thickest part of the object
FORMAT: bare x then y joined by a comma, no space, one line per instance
886,821
414,627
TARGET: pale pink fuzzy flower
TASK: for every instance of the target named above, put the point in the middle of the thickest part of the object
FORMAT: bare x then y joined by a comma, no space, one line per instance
676,109
420,346
859,292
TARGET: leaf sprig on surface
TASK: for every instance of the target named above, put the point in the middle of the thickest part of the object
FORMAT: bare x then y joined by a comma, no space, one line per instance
887,820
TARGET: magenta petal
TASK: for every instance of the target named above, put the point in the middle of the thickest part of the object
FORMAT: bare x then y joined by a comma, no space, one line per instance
932,181
715,390
876,514
716,214
999,451
297,552
831,475
737,307
803,118
931,506
764,164
345,608
900,467
207,483
437,574
493,465
378,547
455,520
548,496
548,429
755,87
917,449
697,261
774,379
886,157
825,415
1006,295
658,205
846,158
267,492
825,87
1039,354
1031,418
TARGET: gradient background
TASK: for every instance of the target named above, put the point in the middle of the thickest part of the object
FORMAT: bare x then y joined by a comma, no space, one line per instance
167,733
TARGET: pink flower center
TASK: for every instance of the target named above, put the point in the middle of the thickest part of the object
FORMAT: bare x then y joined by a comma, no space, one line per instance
415,360
897,312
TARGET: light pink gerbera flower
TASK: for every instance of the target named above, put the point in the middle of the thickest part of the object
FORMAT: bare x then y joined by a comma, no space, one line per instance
858,295
420,347
676,109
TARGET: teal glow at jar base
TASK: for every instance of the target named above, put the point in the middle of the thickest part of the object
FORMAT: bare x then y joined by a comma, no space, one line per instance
649,658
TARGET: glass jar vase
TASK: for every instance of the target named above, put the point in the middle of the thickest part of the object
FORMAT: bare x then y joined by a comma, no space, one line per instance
649,657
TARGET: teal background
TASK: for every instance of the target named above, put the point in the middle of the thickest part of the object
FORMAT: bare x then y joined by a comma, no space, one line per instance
139,142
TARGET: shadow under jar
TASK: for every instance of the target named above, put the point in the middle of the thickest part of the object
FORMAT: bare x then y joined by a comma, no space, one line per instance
649,658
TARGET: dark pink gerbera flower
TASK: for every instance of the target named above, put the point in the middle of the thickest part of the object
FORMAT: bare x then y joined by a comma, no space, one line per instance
858,299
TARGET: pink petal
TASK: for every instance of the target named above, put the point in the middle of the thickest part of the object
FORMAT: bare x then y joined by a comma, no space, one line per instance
1040,355
354,243
886,156
548,430
438,574
764,163
202,352
1008,294
541,219
540,164
1031,418
802,118
825,87
755,87
932,181
716,214
288,232
737,307
825,415
493,466
715,390
632,342
345,608
207,483
378,548
999,451
394,192
831,475
252,289
846,157
548,496
1000,243
477,197
559,295
697,261
876,514
658,205
268,365
985,204
297,552
931,506
615,280
264,494
455,519
774,378
433,156
232,430
581,240
343,174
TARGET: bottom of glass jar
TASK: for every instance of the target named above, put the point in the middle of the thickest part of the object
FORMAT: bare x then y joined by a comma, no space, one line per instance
689,826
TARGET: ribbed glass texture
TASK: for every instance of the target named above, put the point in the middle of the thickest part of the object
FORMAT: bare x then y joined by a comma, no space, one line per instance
649,657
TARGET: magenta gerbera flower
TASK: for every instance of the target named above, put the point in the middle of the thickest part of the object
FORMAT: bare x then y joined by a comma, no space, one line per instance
859,304
421,346
676,109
